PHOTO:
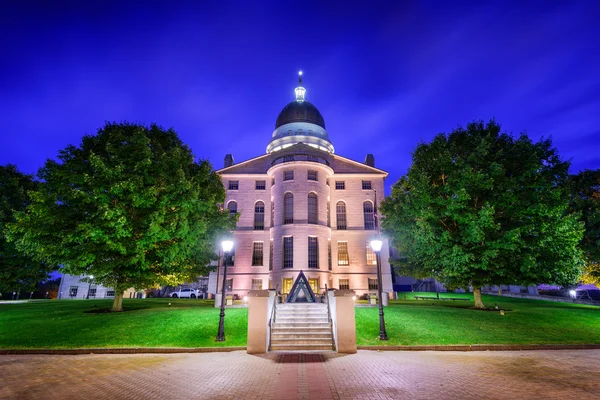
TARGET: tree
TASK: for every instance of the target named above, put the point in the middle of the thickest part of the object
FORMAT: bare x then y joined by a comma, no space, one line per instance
129,207
585,199
17,270
481,207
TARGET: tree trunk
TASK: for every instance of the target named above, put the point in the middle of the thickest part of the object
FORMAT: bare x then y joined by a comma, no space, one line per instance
117,302
477,298
499,291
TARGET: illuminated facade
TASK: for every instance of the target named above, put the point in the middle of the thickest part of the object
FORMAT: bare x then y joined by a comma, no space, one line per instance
303,207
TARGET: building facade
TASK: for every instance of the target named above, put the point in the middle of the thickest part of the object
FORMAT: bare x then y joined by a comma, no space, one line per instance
303,208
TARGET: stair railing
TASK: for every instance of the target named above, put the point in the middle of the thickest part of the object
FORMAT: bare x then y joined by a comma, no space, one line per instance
272,319
327,301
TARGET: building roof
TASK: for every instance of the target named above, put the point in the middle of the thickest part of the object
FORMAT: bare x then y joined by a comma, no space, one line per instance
300,111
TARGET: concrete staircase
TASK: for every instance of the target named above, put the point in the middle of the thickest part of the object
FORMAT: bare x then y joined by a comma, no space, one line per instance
301,326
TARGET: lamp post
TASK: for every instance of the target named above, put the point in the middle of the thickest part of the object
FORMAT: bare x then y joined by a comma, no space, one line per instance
227,246
89,287
376,246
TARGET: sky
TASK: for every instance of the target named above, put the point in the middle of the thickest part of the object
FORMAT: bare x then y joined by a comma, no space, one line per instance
384,75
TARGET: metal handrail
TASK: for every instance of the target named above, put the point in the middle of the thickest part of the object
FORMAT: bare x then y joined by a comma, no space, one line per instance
272,319
327,301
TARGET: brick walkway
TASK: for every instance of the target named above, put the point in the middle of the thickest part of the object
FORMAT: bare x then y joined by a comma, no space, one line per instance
366,375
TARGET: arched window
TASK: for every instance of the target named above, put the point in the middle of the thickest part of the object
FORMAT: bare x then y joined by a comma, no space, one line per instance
232,207
288,208
369,216
313,209
340,213
259,216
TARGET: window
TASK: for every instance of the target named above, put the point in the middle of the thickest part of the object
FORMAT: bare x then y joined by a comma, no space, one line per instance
110,293
369,216
272,181
328,216
340,185
229,285
73,291
234,185
371,256
343,253
232,207
366,185
313,209
270,255
313,176
372,284
340,213
272,214
229,258
257,254
313,252
259,216
344,284
288,175
288,252
261,185
329,255
92,292
256,284
288,208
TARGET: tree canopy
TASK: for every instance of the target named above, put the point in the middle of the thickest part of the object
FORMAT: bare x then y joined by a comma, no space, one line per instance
481,207
585,199
17,270
128,206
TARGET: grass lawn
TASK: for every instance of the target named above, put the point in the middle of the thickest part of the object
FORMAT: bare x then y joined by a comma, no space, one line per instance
194,323
433,322
145,323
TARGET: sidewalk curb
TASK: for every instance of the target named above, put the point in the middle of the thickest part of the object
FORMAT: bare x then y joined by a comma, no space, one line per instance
485,347
134,350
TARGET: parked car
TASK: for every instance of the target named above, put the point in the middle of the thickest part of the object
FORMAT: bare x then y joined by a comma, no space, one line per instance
186,293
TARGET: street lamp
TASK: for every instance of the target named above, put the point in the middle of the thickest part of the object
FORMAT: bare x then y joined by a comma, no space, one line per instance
376,246
227,246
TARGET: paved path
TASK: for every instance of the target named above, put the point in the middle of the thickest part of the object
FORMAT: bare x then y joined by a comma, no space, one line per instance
561,375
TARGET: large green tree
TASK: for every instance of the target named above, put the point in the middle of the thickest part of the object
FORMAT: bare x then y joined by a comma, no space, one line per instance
585,199
17,270
482,207
128,206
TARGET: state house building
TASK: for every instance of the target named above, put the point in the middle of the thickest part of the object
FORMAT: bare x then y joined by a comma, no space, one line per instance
303,208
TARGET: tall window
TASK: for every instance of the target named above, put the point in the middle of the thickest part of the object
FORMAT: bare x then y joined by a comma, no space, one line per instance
313,252
229,285
366,185
369,216
328,215
257,284
229,258
372,284
259,216
288,208
329,255
257,254
313,209
232,207
234,185
340,214
344,284
288,175
288,252
340,185
260,185
73,291
343,258
270,255
371,257
272,214
312,176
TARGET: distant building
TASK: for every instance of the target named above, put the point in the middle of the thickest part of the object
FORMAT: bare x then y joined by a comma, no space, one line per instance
303,207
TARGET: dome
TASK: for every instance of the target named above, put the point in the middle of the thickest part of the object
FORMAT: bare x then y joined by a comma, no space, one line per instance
300,111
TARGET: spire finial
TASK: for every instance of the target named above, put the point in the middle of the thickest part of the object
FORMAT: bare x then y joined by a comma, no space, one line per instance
300,91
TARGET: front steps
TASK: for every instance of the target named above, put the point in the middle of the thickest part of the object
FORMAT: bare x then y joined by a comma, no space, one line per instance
301,326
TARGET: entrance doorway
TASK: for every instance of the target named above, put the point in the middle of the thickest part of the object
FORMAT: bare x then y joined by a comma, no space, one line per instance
287,285
314,284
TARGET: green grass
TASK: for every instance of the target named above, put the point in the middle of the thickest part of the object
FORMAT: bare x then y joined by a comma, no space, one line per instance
193,323
145,323
438,322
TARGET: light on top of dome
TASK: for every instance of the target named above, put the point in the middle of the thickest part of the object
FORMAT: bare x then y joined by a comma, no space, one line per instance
300,91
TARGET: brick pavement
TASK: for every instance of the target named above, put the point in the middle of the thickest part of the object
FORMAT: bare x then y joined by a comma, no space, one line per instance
566,374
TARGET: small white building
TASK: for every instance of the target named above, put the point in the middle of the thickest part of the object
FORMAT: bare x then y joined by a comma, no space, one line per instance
303,207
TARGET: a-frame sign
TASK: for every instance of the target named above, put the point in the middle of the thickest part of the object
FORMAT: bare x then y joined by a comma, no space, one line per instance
301,291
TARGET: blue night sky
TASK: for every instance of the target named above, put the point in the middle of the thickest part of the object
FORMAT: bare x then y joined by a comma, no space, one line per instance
384,77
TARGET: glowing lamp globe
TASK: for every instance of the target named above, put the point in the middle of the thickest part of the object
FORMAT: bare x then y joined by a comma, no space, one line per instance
227,245
376,245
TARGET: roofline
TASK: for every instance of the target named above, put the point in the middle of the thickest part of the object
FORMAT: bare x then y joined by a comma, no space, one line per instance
361,164
223,170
